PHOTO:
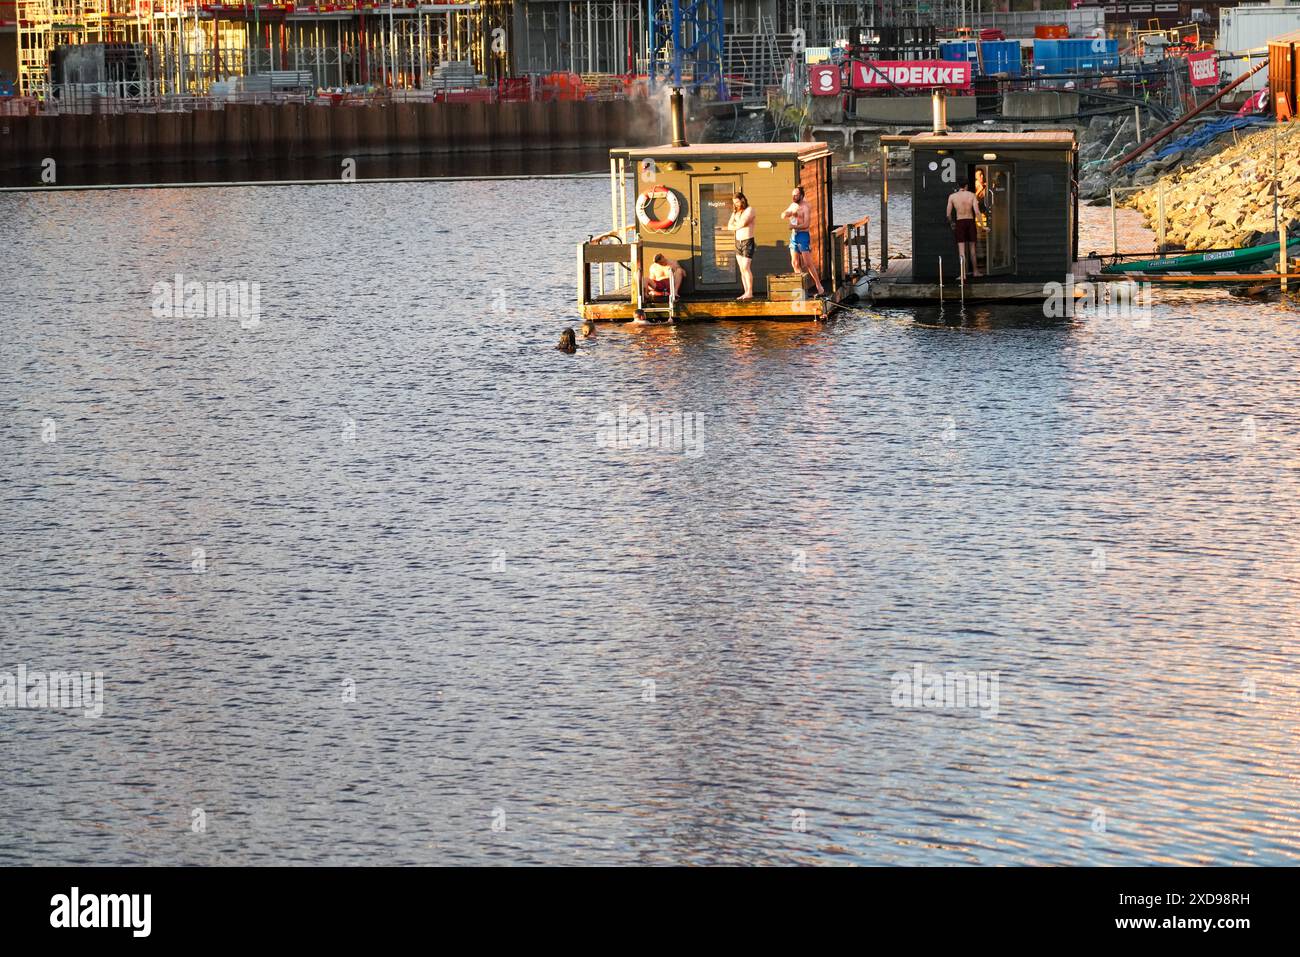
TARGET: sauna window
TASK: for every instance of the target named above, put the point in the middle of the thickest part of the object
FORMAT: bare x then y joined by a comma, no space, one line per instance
717,249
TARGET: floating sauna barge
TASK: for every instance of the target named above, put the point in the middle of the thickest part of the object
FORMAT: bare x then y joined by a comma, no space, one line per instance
1028,228
683,203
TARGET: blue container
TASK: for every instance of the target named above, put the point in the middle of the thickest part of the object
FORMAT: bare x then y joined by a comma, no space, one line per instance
999,56
957,50
1046,56
1075,56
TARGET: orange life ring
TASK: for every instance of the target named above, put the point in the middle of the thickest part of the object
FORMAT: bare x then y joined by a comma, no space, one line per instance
643,204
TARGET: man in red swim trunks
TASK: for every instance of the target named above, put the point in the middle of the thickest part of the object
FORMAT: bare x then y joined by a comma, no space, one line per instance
963,207
663,276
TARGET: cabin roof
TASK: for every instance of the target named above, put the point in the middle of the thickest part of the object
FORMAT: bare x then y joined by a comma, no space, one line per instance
726,150
1032,140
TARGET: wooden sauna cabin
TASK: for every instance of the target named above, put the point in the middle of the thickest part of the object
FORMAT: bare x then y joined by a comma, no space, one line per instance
1028,230
676,200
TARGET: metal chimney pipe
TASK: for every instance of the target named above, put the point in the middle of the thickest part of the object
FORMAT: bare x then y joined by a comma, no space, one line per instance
939,111
678,111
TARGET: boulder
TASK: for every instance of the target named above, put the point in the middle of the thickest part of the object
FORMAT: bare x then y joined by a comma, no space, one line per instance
1100,125
1147,174
1172,160
1094,185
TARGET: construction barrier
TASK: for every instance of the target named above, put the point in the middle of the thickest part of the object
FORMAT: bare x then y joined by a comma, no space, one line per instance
317,130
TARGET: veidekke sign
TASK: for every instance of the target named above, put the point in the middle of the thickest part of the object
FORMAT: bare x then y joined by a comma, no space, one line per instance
910,74
1204,68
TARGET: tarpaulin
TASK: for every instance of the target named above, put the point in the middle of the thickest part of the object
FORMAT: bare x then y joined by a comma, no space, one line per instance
1200,136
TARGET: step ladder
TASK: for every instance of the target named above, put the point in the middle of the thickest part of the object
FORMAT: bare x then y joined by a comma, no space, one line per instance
668,310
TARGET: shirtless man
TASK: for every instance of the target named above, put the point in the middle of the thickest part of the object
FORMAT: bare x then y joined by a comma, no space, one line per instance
658,276
964,207
742,224
799,215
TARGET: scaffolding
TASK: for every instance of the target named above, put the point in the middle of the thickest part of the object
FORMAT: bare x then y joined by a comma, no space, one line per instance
607,36
827,22
46,25
686,42
190,44
755,59
718,47
42,25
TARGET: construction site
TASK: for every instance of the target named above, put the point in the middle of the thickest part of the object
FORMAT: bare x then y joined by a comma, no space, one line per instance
91,82
151,50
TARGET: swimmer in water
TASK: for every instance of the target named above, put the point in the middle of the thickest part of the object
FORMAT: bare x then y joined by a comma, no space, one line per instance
568,342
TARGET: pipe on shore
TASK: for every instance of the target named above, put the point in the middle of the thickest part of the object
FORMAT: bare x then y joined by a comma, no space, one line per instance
1187,116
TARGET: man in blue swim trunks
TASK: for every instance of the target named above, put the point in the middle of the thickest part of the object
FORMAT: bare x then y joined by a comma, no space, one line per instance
799,215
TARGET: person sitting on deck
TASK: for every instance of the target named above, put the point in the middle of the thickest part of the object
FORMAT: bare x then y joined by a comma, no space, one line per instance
663,277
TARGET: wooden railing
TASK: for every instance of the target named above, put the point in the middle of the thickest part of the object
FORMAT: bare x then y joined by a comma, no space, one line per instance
852,249
615,268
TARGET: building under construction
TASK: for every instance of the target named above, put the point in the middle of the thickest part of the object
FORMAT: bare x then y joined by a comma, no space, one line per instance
147,49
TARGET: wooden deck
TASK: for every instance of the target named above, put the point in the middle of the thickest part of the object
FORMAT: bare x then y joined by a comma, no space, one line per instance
610,309
895,285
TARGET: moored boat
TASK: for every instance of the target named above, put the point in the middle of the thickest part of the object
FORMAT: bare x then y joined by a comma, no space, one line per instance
1223,260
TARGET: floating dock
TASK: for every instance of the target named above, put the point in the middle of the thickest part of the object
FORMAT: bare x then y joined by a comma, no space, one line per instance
1026,247
897,284
619,309
680,223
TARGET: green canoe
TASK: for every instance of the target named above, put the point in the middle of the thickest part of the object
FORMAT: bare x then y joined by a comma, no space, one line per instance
1228,260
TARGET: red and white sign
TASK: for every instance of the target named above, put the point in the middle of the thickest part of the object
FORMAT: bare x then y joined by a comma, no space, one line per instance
1204,68
824,78
910,74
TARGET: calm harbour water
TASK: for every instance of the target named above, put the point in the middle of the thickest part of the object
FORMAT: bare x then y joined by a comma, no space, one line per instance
562,652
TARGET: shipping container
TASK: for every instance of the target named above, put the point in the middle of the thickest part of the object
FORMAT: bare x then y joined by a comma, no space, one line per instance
1284,71
986,57
1246,29
1053,57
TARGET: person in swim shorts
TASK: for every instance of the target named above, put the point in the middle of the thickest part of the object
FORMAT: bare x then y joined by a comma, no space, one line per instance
662,275
963,207
742,224
799,216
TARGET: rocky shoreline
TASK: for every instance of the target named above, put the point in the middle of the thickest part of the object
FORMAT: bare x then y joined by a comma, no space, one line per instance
1217,194
1226,199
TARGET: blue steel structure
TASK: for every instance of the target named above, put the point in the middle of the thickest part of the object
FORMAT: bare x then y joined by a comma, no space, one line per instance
686,39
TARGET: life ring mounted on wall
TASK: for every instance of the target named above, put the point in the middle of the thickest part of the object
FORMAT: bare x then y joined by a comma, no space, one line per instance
644,201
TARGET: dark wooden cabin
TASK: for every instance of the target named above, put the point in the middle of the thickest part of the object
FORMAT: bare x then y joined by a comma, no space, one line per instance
1031,228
